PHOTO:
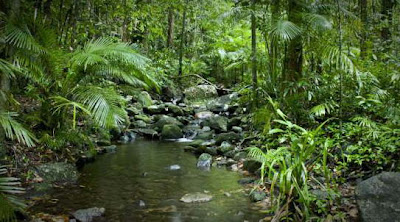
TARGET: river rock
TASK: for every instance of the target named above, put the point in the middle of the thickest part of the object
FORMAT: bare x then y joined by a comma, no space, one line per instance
237,129
229,137
110,149
128,136
257,195
251,166
203,115
87,215
60,172
225,147
235,121
144,99
147,133
204,135
143,118
218,123
378,198
174,109
166,120
204,161
139,124
174,167
240,156
196,198
155,109
221,104
200,92
171,132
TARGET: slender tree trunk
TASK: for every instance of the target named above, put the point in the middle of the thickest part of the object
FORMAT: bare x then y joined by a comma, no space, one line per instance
273,49
254,48
295,48
171,23
182,39
363,17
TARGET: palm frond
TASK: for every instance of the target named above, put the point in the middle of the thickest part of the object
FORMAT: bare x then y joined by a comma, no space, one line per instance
285,30
20,37
332,55
103,103
15,130
317,21
324,108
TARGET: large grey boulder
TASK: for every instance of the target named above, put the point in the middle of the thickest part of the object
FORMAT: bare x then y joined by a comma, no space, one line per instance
378,198
170,131
200,92
218,123
87,215
221,104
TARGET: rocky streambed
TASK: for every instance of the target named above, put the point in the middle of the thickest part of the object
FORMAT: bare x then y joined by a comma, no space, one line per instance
180,160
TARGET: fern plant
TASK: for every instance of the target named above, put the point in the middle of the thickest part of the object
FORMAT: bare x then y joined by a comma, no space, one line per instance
9,186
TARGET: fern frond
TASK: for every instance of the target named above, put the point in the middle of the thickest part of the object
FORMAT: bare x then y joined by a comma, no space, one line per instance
15,130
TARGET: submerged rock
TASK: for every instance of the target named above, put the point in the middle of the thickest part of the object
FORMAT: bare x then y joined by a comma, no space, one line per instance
110,149
378,198
174,167
204,161
56,173
87,215
196,198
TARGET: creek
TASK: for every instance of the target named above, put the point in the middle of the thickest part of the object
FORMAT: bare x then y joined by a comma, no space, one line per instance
137,183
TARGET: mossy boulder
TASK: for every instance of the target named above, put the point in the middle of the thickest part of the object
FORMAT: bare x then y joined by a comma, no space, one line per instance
144,99
218,123
170,131
225,147
204,161
144,118
174,109
166,120
229,137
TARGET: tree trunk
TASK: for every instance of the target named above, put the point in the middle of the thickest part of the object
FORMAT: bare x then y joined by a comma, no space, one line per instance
182,39
254,47
273,49
363,17
171,21
295,47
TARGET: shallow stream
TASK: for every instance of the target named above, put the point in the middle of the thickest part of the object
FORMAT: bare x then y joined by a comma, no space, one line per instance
137,184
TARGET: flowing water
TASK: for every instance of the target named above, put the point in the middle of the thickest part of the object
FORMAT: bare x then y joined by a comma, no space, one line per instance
137,184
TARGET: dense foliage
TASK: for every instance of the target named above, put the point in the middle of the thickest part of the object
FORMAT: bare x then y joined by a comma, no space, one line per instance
321,79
